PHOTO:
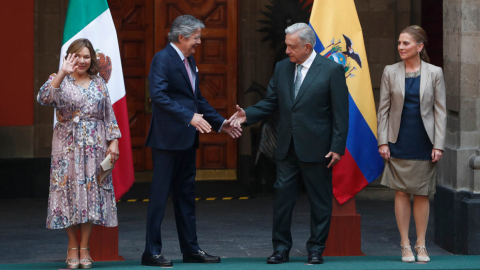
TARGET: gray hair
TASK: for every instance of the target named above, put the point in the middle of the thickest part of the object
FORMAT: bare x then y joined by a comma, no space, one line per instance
184,25
304,31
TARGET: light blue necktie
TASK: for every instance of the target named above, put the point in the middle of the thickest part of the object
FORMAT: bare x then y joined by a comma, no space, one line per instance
298,79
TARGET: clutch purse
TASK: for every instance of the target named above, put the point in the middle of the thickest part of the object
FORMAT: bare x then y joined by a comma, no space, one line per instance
106,168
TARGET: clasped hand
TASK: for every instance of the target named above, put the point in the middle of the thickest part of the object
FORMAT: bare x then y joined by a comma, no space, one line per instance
113,151
201,124
240,117
204,127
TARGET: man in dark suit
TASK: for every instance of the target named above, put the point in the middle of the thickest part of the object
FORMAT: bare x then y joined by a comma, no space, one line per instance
180,112
311,95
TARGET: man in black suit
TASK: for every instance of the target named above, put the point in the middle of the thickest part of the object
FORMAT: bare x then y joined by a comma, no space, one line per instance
180,112
311,95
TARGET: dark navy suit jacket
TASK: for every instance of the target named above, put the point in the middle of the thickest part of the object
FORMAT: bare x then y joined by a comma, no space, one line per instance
174,103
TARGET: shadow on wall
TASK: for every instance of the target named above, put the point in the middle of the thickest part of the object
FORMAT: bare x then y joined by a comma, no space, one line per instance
281,14
24,178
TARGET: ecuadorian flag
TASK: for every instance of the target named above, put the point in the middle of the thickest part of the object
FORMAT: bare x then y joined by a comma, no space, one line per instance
340,38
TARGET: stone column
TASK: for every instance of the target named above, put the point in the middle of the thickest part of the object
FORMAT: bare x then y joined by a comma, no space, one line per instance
457,201
49,19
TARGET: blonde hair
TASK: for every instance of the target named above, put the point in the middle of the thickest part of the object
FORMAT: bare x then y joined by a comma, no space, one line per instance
77,46
420,37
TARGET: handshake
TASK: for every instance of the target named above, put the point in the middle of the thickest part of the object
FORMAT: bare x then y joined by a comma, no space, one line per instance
231,126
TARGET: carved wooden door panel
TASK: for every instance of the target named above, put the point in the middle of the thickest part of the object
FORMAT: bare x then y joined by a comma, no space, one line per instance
216,60
133,21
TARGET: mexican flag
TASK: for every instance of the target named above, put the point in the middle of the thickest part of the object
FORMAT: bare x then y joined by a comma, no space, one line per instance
92,19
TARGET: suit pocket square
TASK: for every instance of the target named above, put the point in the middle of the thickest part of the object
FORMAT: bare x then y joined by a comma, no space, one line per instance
196,69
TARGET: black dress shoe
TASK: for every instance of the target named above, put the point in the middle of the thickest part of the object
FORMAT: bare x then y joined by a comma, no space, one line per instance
315,257
155,260
278,257
200,257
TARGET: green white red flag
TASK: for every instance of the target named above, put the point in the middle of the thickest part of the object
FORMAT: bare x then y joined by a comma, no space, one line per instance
92,19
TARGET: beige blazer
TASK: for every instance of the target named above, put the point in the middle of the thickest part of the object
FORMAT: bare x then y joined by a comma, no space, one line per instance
432,103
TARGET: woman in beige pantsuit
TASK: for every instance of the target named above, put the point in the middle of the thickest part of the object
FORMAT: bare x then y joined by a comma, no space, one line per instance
411,134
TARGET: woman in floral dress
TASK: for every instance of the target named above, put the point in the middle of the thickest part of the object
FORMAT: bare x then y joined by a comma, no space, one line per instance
86,132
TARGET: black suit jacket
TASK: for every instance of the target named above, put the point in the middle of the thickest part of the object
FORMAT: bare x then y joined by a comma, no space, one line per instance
317,119
174,103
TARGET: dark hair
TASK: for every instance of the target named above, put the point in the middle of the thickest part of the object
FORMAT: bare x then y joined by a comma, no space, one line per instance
77,46
420,36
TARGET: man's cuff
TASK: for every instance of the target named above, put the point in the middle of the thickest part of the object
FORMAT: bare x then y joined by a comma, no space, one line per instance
222,126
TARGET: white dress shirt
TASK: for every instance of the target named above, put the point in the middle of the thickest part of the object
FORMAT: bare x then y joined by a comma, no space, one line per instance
305,66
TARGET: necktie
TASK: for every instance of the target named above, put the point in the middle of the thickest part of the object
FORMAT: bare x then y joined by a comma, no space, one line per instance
189,71
298,79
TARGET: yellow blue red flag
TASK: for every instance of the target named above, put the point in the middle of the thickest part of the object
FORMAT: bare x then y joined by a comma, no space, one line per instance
340,38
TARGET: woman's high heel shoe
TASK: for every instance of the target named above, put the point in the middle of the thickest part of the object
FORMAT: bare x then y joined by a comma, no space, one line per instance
86,263
422,258
72,263
405,249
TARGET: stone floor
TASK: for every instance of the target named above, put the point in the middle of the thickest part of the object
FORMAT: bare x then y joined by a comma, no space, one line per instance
236,228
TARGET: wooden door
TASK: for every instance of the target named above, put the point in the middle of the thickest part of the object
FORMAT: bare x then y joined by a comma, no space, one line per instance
216,60
133,21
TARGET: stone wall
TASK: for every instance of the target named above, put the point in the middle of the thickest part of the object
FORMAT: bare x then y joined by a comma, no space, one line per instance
462,72
457,202
49,21
34,141
30,146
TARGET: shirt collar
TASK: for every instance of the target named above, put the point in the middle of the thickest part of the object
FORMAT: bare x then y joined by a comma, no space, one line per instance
178,51
309,60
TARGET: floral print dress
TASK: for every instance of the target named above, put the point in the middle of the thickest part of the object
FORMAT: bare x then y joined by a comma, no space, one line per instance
86,123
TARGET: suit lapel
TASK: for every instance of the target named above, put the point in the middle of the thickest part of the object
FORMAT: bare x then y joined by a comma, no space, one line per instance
178,62
311,75
424,75
401,77
289,77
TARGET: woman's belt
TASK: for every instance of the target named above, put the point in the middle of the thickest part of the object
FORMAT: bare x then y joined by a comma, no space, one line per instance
71,126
